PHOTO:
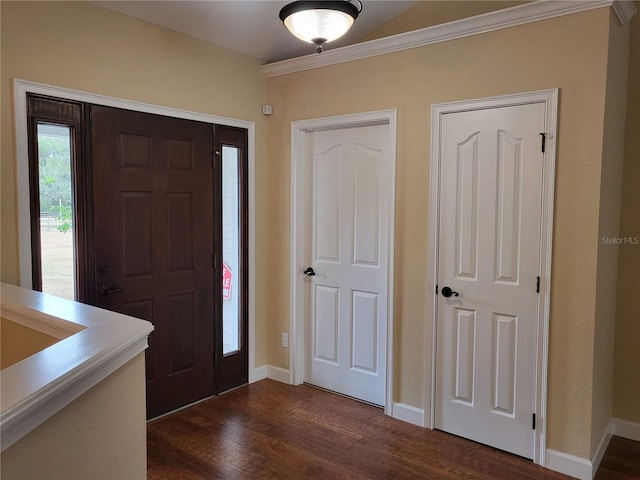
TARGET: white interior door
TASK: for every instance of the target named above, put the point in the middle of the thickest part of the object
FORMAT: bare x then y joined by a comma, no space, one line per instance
348,189
491,166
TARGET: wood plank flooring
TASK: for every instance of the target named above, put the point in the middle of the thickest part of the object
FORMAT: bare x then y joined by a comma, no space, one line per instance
621,461
269,430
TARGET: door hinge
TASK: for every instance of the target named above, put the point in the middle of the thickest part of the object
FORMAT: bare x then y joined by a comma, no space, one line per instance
533,421
214,158
544,141
213,260
436,289
537,284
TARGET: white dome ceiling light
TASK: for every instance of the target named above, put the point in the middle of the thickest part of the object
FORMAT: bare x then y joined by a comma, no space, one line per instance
319,22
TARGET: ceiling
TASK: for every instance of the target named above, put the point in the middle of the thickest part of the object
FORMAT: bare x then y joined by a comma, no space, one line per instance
249,26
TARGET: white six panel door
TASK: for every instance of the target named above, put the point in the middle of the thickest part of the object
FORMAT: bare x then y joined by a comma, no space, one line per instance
347,244
489,242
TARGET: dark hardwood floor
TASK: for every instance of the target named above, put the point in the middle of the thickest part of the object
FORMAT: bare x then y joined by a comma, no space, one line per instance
621,461
272,430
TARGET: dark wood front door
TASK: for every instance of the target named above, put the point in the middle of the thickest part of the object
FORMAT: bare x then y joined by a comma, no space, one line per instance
155,243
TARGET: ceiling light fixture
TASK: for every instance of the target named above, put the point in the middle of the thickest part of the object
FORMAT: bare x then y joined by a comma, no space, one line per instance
320,22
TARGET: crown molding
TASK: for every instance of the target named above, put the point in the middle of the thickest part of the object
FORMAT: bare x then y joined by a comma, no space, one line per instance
488,22
624,10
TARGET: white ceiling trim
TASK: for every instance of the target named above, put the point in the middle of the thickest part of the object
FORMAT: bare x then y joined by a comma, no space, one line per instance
488,22
624,9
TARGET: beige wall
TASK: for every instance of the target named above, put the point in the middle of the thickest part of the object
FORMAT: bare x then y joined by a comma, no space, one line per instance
426,14
82,46
18,342
627,337
610,198
99,436
567,52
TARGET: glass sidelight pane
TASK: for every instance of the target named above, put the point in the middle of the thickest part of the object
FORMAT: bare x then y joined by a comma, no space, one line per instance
231,280
56,210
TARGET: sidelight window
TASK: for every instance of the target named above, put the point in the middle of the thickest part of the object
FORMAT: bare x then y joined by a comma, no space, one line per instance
56,210
230,175
54,165
231,272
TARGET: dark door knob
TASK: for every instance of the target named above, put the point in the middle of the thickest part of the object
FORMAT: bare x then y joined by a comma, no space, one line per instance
110,290
447,292
309,272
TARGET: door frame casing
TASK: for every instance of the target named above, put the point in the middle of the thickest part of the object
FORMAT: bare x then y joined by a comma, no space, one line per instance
22,87
550,100
299,146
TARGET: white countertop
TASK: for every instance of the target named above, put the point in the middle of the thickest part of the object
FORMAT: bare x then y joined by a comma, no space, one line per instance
97,343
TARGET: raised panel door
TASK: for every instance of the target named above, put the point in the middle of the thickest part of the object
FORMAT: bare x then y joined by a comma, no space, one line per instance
348,240
154,225
489,241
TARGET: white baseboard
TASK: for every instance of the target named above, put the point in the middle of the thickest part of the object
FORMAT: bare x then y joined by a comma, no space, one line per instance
600,449
571,465
277,373
269,371
258,373
407,413
625,429
581,467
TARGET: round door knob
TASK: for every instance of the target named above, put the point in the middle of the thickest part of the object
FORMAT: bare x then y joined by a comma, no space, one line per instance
447,292
309,272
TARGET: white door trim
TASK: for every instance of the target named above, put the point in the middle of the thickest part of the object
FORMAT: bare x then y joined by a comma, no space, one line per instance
550,99
22,87
299,129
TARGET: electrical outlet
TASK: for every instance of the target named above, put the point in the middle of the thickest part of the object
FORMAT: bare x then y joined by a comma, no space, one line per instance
285,340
